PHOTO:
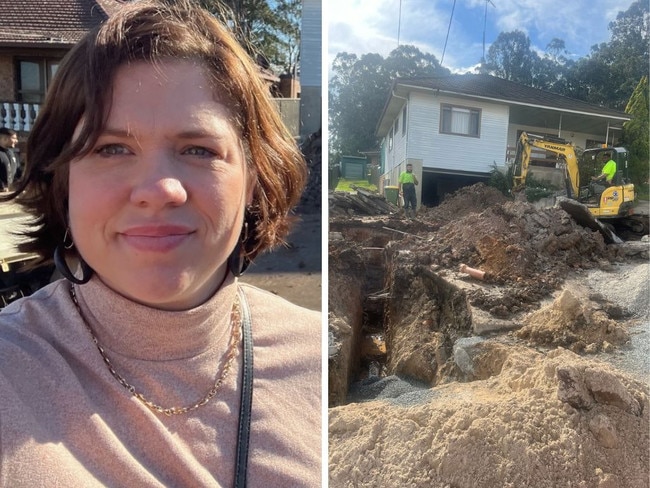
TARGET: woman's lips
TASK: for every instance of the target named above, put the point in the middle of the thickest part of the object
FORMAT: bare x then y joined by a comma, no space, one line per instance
156,238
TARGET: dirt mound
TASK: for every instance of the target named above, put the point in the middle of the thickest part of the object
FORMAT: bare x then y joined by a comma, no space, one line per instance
483,384
544,421
573,323
467,200
526,250
515,242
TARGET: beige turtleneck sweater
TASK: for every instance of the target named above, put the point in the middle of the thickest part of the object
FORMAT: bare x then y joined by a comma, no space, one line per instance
66,421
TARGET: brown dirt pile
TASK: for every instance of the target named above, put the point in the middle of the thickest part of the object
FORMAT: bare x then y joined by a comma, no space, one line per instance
526,251
545,421
511,241
574,323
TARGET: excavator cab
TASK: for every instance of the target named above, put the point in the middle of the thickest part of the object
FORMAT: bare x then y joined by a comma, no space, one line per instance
606,200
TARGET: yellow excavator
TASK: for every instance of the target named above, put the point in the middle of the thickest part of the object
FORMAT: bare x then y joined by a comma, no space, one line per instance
614,205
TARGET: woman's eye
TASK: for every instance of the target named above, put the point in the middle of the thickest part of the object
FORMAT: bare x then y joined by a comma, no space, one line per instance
112,150
198,151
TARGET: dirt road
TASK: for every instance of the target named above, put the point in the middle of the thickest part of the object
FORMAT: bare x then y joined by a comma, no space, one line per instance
293,272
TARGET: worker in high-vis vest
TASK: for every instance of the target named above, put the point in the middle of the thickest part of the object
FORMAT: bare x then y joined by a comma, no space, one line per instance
407,182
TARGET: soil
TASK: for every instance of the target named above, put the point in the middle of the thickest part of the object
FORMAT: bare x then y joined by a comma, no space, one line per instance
516,379
293,271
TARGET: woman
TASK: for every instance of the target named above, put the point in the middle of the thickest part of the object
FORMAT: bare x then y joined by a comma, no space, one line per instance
157,169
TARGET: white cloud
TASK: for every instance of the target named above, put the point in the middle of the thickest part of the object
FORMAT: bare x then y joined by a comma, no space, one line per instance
364,26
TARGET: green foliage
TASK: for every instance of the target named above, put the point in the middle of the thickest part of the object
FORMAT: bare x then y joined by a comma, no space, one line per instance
358,90
535,189
635,133
606,77
511,58
609,74
642,191
536,193
500,180
289,14
351,185
268,30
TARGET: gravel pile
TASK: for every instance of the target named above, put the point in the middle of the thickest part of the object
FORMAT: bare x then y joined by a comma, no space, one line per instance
628,285
390,387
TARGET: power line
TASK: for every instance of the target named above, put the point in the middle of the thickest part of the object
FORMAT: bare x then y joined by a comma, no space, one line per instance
485,26
399,22
448,29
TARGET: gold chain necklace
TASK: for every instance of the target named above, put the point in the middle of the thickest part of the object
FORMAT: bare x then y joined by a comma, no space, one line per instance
235,338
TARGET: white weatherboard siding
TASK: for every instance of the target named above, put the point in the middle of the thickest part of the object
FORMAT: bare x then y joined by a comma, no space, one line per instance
310,40
398,154
451,153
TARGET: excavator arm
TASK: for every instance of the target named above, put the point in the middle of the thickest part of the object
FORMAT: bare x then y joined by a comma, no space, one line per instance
558,146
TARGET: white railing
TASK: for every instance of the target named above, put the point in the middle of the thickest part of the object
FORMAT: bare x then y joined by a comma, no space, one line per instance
18,116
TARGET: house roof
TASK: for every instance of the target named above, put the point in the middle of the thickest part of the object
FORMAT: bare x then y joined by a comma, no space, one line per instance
528,103
53,23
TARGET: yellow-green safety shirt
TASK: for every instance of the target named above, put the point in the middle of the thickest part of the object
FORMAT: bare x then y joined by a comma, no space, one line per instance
609,169
406,177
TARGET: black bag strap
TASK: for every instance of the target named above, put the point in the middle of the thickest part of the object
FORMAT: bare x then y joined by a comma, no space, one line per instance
243,434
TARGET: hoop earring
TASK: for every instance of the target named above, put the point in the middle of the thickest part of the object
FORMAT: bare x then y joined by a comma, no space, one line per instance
63,268
237,262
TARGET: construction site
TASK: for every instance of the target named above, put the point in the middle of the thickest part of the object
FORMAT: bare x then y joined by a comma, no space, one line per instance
486,342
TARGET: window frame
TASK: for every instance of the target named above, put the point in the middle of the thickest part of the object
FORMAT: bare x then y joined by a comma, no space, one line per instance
450,107
47,67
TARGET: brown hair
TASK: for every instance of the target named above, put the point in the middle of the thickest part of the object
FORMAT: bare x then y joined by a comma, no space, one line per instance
153,31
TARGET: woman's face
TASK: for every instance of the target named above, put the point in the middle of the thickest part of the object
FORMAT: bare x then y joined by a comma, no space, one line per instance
157,206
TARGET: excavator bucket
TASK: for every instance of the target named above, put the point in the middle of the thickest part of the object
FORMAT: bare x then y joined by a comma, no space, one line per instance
581,214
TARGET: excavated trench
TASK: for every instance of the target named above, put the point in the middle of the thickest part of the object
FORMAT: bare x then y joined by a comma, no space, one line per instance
514,357
395,316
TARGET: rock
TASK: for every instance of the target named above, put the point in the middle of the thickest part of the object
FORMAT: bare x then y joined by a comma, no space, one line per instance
608,389
571,388
465,350
604,432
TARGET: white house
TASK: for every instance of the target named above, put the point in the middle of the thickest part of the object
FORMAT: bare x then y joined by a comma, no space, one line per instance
455,129
311,67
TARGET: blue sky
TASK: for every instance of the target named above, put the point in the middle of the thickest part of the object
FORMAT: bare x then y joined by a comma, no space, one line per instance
363,26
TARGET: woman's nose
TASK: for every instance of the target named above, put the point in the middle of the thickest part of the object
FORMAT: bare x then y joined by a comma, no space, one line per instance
159,182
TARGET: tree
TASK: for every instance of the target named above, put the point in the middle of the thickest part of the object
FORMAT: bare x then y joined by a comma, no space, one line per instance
609,74
511,58
635,133
408,61
358,90
551,70
271,34
289,14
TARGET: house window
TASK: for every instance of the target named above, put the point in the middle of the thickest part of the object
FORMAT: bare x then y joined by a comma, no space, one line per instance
34,77
390,139
396,126
404,120
460,120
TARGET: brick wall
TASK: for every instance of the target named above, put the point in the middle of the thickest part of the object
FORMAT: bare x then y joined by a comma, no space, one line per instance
7,85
